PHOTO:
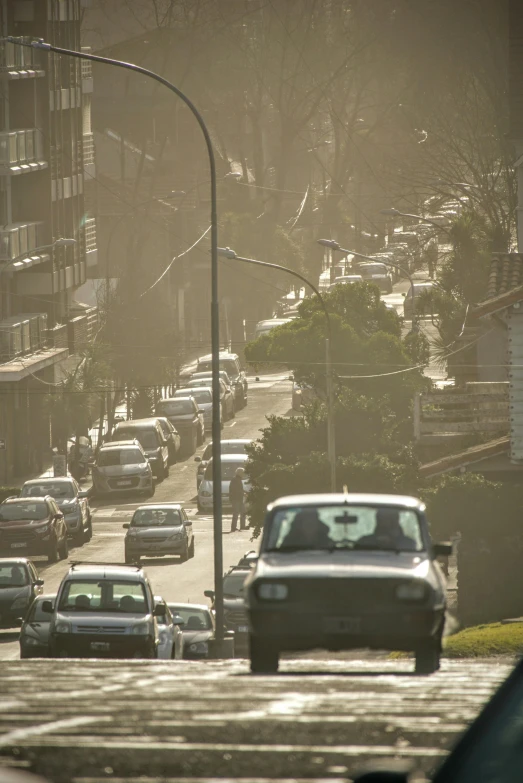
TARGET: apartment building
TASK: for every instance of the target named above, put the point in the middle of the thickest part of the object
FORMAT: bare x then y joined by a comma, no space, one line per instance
46,161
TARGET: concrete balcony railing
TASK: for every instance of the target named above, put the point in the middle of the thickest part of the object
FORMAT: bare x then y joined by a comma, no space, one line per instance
87,72
19,58
18,239
21,150
22,334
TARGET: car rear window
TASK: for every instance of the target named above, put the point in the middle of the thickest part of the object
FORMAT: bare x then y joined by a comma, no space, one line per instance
229,365
23,511
57,490
174,407
112,457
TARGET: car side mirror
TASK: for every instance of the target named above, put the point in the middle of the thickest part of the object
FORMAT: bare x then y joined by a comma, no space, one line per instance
159,610
39,582
177,620
404,294
47,607
209,594
126,525
197,459
443,549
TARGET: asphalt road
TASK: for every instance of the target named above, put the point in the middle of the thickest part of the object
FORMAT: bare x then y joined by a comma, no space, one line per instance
174,581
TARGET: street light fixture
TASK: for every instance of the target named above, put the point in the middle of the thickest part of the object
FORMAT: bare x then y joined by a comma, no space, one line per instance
335,246
227,252
215,322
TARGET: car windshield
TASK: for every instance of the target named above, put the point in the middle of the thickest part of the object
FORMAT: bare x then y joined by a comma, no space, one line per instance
112,457
228,470
174,407
233,584
195,619
200,382
372,269
227,365
57,489
382,528
156,517
106,595
36,613
12,511
201,396
13,575
148,439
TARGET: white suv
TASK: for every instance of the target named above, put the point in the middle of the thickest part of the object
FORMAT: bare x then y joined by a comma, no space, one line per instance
103,611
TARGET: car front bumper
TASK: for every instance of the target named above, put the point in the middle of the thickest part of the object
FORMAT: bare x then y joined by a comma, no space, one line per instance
115,486
291,629
137,547
75,645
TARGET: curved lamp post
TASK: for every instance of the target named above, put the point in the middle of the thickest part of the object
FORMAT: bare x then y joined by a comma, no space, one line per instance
335,246
226,252
215,323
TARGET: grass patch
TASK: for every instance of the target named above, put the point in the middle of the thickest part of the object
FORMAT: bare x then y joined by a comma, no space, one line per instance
485,640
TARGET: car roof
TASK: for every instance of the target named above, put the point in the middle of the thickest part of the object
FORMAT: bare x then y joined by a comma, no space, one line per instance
105,571
193,389
237,440
49,479
136,423
14,561
177,399
234,458
222,355
39,499
354,498
188,606
152,506
119,444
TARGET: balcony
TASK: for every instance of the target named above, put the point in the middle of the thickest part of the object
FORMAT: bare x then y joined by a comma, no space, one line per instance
22,334
21,151
87,72
18,239
20,62
89,240
88,154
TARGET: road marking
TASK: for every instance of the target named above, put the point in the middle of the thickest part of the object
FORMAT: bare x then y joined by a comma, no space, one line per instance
232,424
66,723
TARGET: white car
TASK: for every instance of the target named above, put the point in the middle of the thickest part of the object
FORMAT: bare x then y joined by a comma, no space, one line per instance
230,463
232,446
170,636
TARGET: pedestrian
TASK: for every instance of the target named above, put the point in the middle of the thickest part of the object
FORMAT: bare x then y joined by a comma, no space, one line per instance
236,496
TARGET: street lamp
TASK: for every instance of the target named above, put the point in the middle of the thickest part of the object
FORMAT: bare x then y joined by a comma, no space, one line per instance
226,252
61,242
215,323
335,246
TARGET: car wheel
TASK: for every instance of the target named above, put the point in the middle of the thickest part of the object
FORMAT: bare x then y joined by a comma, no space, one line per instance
64,549
80,537
427,657
193,442
265,657
89,531
233,411
185,554
131,559
52,555
161,472
166,470
191,548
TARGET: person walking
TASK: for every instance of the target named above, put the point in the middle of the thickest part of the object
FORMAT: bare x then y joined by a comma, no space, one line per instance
236,496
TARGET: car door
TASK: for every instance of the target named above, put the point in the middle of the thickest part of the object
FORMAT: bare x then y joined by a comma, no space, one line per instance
33,575
82,502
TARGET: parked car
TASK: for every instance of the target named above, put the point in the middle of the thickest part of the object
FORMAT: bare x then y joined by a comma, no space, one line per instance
249,559
186,416
19,586
345,571
172,437
70,499
230,463
159,529
234,611
419,287
266,326
151,437
231,446
33,526
203,397
230,362
122,467
346,280
228,405
34,633
198,628
377,273
103,610
170,636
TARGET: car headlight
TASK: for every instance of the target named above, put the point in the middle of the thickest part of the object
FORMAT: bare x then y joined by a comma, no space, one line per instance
206,494
177,534
141,629
411,591
20,602
199,647
62,627
273,591
43,530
